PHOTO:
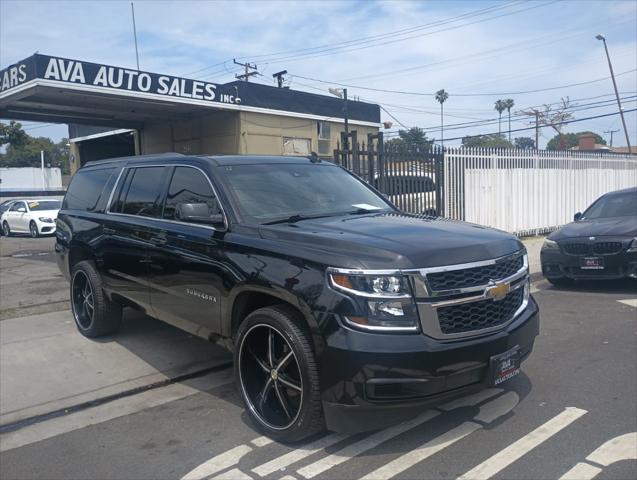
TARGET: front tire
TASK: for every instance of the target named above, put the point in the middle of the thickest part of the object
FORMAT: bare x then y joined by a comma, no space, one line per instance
95,315
6,229
33,230
277,375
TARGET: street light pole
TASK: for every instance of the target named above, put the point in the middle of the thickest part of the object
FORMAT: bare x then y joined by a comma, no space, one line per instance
612,74
346,142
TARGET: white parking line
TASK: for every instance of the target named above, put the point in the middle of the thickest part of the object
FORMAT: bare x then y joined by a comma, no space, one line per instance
631,302
614,450
261,441
382,436
216,464
361,446
234,474
408,460
540,285
488,413
524,445
297,454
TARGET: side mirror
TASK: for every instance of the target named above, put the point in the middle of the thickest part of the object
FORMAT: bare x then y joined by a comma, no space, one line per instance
22,210
198,213
577,216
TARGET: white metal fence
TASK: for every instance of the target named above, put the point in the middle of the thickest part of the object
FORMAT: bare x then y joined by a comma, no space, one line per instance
528,192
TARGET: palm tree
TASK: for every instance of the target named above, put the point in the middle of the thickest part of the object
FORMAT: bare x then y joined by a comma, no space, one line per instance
508,103
500,107
441,96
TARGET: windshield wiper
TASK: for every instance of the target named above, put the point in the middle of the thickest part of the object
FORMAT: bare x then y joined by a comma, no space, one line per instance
297,217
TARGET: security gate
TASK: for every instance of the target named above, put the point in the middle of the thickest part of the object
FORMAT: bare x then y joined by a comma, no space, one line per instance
411,176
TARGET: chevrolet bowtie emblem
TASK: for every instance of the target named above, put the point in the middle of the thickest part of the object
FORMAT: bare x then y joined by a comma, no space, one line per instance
497,291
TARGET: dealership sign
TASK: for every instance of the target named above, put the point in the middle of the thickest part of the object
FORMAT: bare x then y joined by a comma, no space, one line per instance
43,67
58,74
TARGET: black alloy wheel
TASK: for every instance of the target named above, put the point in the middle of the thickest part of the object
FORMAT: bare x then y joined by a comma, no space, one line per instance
277,375
270,377
94,313
33,229
82,300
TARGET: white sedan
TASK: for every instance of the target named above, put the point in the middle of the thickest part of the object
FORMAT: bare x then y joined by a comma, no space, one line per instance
35,217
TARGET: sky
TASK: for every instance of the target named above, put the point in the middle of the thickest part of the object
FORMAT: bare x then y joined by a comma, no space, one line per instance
534,52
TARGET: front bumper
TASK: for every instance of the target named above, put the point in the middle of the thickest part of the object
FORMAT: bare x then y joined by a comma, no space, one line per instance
556,264
370,380
45,228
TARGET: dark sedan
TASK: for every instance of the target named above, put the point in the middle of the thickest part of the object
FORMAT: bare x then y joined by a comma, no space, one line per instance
600,244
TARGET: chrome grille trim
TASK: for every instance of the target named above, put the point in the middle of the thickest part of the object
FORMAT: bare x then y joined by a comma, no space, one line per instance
429,301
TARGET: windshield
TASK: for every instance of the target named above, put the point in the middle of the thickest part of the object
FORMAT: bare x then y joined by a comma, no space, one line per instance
36,206
269,192
616,205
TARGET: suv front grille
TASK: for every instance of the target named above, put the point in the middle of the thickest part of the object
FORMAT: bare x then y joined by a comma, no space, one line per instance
576,248
471,277
467,317
607,248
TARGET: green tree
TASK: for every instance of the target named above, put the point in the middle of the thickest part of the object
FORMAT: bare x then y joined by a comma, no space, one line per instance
441,97
500,107
486,141
24,150
414,138
12,134
570,140
508,104
524,143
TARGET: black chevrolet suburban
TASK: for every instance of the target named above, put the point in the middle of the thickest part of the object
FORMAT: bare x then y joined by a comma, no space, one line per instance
341,311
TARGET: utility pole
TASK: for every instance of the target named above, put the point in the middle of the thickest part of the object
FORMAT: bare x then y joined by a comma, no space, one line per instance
537,129
619,103
42,169
279,77
346,143
246,76
132,9
611,135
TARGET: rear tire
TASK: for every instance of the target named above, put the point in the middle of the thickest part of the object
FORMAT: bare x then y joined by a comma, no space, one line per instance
95,315
33,230
6,229
277,375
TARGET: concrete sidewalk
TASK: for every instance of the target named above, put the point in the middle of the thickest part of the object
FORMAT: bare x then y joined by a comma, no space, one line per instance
46,365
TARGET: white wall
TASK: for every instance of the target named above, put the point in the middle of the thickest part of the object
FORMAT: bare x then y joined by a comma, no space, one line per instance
28,178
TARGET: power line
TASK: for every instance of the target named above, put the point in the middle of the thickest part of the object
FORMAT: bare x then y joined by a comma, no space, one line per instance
566,122
362,40
493,94
334,50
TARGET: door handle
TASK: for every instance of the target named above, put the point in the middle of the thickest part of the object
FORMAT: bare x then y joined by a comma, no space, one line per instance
158,240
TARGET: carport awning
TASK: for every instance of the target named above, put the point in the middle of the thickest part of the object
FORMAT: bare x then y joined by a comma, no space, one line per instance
52,89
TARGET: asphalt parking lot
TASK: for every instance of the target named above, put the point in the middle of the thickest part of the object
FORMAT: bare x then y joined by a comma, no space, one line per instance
167,408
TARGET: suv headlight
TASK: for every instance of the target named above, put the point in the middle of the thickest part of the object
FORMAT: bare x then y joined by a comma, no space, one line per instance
550,245
632,248
386,301
46,219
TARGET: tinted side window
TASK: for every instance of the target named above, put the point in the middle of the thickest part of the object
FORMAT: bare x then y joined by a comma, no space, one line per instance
189,185
17,205
144,191
86,189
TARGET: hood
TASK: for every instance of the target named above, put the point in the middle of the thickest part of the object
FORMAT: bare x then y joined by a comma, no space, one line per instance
390,241
599,227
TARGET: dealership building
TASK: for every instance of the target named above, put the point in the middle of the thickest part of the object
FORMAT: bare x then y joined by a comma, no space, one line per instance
114,111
